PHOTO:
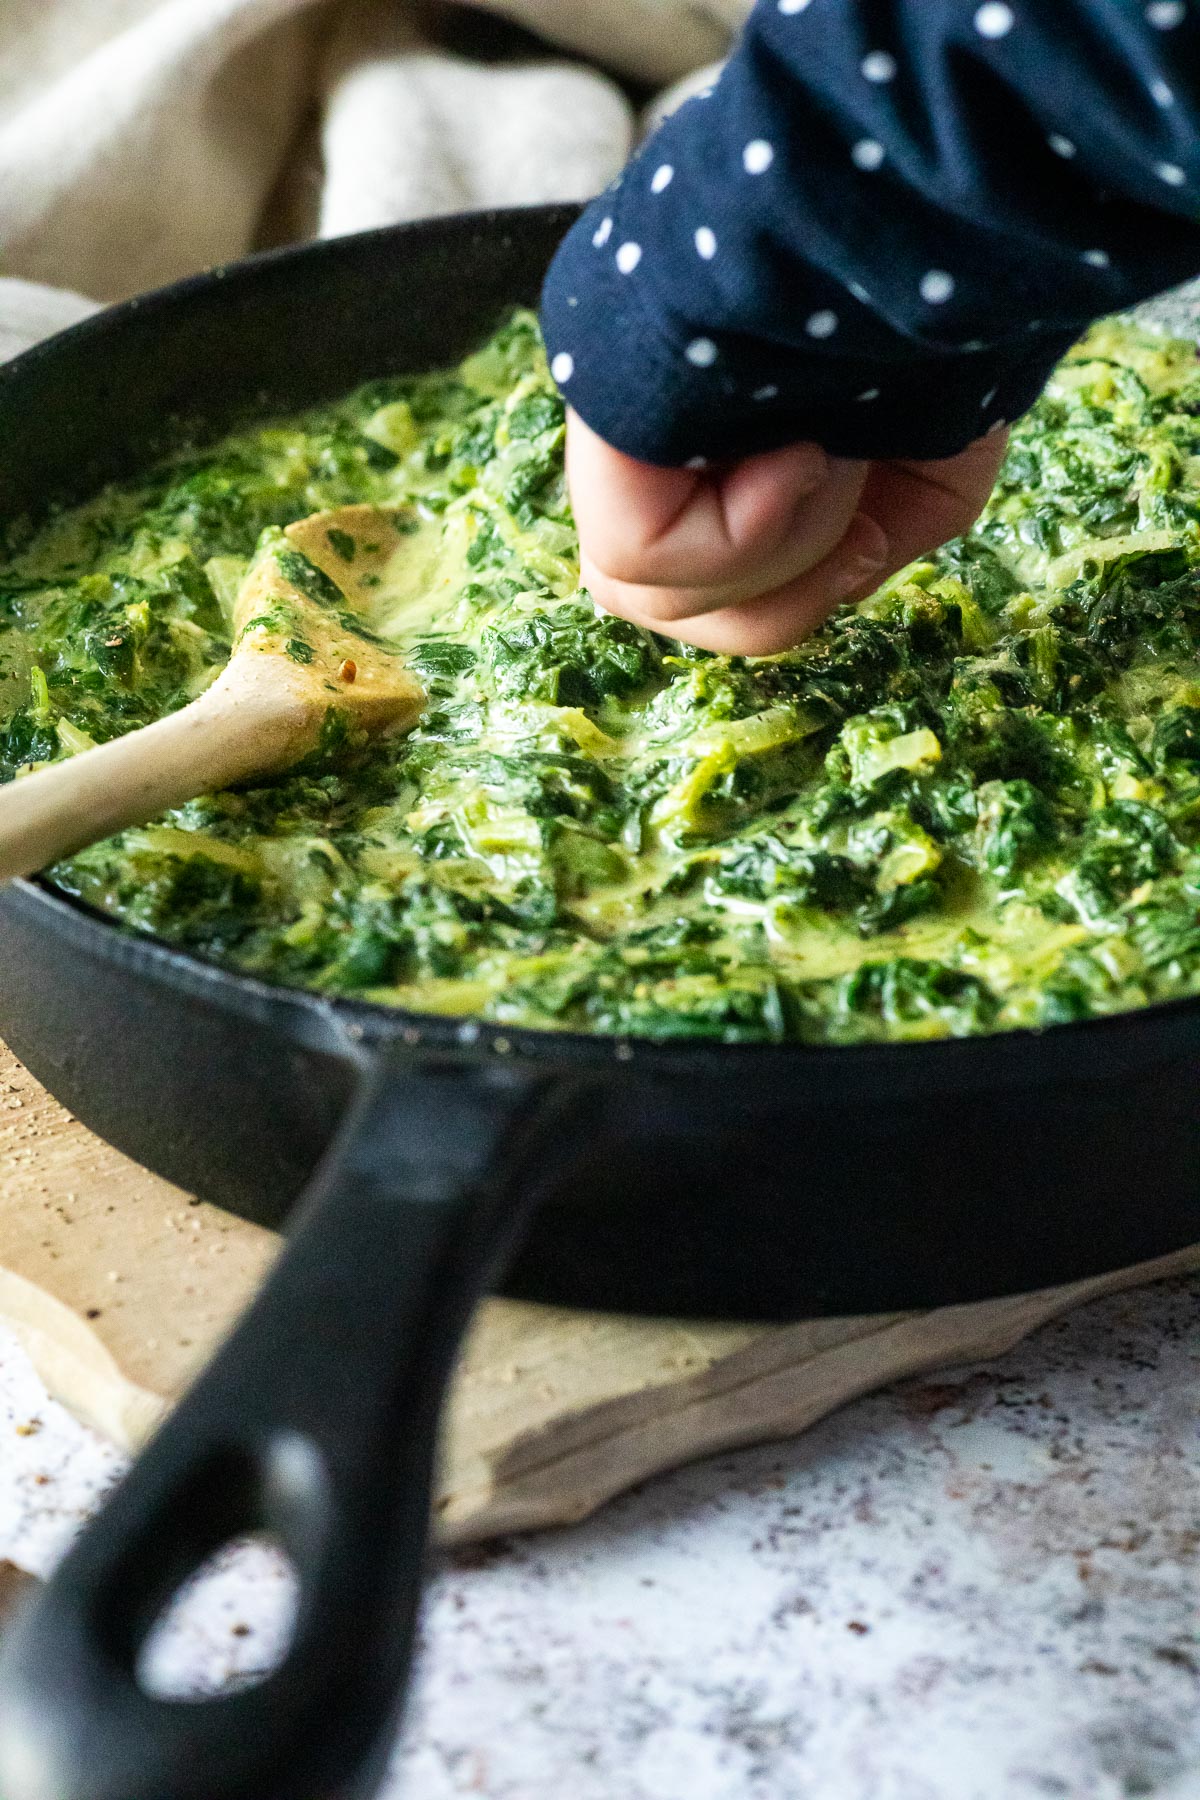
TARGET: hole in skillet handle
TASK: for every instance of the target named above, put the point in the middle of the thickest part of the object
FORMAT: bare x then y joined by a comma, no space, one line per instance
180,1660
315,1423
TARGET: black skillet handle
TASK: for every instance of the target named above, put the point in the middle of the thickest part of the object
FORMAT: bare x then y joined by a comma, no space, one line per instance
316,1423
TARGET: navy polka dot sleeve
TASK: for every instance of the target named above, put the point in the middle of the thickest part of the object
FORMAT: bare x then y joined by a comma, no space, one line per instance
883,225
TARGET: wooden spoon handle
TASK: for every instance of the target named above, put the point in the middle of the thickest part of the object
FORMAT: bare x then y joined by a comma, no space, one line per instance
236,730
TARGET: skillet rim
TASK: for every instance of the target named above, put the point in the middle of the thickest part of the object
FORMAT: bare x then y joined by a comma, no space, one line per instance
349,1027
261,263
346,1024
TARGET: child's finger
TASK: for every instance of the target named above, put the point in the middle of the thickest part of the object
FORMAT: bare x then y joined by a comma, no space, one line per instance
784,616
680,528
923,504
818,524
907,510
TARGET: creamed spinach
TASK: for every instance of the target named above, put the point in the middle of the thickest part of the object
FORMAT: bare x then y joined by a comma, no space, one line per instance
968,804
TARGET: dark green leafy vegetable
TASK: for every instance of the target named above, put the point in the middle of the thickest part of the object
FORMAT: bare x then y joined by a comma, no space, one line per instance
310,580
570,655
969,804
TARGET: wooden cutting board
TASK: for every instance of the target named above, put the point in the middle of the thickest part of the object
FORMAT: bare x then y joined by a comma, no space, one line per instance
119,1286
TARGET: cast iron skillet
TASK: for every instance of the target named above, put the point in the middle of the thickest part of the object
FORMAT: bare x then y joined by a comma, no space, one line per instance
433,1155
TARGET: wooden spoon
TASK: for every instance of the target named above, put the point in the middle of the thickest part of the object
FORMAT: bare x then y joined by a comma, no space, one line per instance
300,666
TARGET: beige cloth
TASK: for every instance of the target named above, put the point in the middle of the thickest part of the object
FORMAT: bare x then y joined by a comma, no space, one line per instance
143,139
652,41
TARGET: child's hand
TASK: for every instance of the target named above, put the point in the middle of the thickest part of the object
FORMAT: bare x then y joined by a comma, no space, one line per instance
750,558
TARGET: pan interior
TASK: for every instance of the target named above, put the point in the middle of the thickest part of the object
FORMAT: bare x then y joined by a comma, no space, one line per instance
749,1180
966,805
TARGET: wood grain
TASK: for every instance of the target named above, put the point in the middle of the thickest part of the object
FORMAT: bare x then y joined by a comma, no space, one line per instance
120,1285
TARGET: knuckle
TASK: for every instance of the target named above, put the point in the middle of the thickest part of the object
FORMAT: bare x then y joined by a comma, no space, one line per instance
631,563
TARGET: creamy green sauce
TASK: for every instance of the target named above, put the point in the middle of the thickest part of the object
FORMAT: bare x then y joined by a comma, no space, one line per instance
971,803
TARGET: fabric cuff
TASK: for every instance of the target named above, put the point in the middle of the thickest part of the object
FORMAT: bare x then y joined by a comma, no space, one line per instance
667,394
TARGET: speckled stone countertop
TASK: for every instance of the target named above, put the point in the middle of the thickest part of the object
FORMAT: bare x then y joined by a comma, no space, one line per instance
980,1587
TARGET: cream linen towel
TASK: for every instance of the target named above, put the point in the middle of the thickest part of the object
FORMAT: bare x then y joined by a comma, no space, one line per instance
650,41
143,139
409,130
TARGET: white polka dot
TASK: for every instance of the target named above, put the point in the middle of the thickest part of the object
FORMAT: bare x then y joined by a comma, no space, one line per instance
628,258
1161,94
973,344
859,292
706,243
988,398
757,157
661,178
996,425
572,299
770,392
1099,259
879,66
696,462
936,286
1165,15
563,366
821,324
705,94
1171,173
868,394
1061,146
702,352
602,233
868,153
792,6
994,19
